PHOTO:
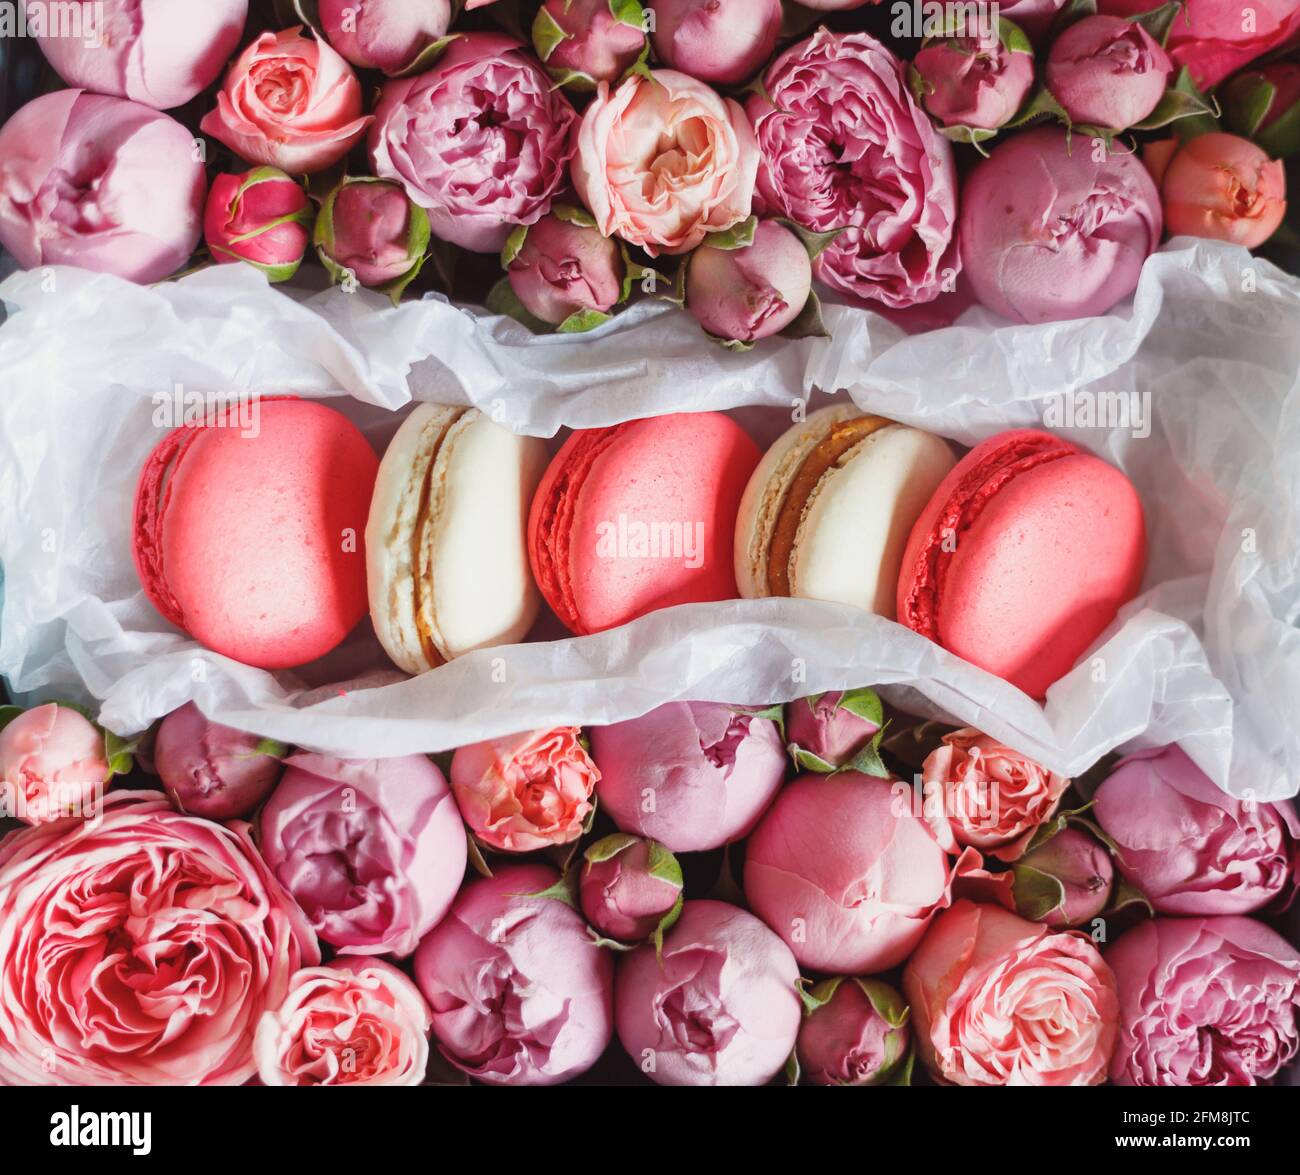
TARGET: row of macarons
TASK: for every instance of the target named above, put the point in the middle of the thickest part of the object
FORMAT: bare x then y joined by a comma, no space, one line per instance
269,544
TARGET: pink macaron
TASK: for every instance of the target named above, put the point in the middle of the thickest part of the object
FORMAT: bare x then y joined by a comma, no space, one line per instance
1023,556
249,533
639,516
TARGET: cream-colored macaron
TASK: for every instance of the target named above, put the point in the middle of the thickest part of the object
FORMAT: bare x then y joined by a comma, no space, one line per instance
827,513
446,563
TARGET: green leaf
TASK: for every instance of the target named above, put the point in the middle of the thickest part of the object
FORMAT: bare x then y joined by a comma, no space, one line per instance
426,57
1013,37
1247,101
1282,137
865,703
547,34
1037,894
119,752
572,79
628,12
664,865
272,747
808,324
738,236
807,761
1039,105
561,891
903,1074
971,135
1173,105
1124,895
582,321
1205,124
1159,21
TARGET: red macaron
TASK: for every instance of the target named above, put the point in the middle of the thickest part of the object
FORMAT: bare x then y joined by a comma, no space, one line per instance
1023,556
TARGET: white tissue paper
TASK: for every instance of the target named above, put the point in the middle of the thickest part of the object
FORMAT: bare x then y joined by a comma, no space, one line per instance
1203,360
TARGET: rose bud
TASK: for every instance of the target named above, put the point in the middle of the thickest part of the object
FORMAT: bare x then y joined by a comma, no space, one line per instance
1264,105
856,1034
751,292
384,34
520,994
1035,17
370,229
720,41
1064,882
585,42
630,888
1188,846
718,1006
691,775
349,1022
212,770
53,763
844,870
1225,188
525,791
997,1000
1107,72
290,102
258,217
829,730
974,83
372,849
136,208
990,797
566,267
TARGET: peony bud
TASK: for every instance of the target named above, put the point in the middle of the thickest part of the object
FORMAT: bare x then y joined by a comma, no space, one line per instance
562,266
1225,188
630,888
585,42
371,230
718,41
1107,72
212,770
753,291
854,1032
981,84
1064,882
53,763
828,730
259,217
384,34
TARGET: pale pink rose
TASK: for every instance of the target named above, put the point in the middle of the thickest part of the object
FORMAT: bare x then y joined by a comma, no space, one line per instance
1225,188
384,34
969,82
289,101
718,1006
1108,72
481,140
857,1035
1204,1001
349,1022
520,993
102,183
986,795
525,791
52,764
845,146
997,1000
372,849
261,217
663,161
151,51
140,949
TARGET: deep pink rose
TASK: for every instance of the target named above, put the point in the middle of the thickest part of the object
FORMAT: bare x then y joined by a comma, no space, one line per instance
1226,188
857,1036
845,146
52,764
261,217
968,82
384,34
629,888
1108,72
140,949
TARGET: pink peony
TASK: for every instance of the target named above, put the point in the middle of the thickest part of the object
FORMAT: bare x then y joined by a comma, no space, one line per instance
967,82
724,42
1225,188
629,888
384,34
856,1035
260,217
1108,72
52,764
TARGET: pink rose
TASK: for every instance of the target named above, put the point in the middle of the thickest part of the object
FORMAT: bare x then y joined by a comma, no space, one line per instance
724,42
989,796
525,791
828,730
1065,881
289,101
151,51
520,994
856,1035
372,849
371,229
583,42
663,161
350,1022
565,268
1204,1001
1034,16
141,949
1108,72
136,206
52,764
384,34
997,1000
1191,848
845,146
629,888
481,141
718,1006
260,217
1225,188
967,82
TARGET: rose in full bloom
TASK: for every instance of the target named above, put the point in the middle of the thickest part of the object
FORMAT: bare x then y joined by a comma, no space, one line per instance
158,54
525,791
584,42
831,729
564,268
1204,1001
372,849
718,1005
991,797
288,101
349,1022
102,183
845,146
1191,848
1225,188
371,229
663,161
140,949
629,888
1107,72
724,42
480,141
52,764
384,34
997,1000
260,217
969,82
856,1035
520,993
1065,881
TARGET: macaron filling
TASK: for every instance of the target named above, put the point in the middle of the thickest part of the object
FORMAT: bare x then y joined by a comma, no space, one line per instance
422,583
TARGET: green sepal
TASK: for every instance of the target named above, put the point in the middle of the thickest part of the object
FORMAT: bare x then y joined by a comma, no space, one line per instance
426,57
865,703
817,995
1158,21
814,242
634,274
609,847
628,12
1013,37
738,345
514,245
774,713
973,136
561,891
903,1074
1175,104
573,214
1124,895
120,753
476,857
808,323
1281,137
1202,124
272,747
807,761
1037,894
503,300
738,236
547,34
581,321
791,1068
1040,104
8,714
